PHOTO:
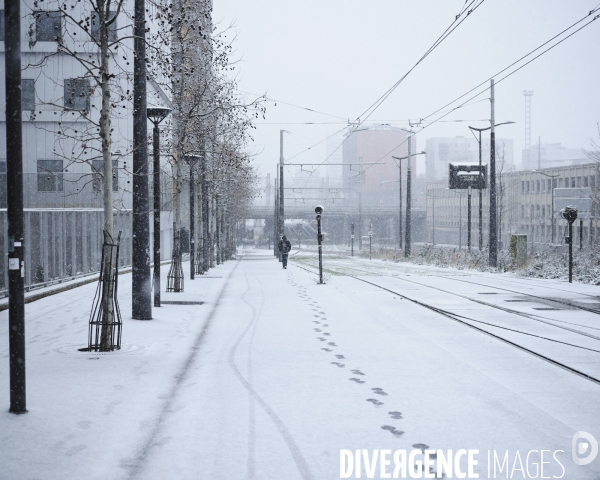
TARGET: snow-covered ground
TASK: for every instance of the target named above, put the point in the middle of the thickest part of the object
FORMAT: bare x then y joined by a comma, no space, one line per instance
274,374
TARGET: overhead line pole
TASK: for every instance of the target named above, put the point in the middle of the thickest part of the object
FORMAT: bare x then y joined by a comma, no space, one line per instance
493,260
281,184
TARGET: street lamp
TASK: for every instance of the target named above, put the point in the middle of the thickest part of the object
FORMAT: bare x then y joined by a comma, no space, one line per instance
552,192
400,196
192,160
473,129
156,115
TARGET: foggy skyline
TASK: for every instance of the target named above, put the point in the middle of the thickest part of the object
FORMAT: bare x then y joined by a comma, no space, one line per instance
340,57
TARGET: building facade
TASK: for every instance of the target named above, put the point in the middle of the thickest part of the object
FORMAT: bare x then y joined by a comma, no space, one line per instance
525,206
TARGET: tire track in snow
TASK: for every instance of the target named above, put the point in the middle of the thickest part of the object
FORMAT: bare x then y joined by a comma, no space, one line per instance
135,467
285,434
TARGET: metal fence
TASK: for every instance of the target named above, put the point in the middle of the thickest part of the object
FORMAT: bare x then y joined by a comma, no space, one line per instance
64,243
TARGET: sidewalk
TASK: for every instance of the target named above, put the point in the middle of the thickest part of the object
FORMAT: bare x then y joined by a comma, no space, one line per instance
270,379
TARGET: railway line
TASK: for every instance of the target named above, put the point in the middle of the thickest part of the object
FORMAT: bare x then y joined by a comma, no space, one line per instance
571,344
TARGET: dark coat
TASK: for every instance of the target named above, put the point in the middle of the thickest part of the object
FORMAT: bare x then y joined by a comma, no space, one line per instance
285,246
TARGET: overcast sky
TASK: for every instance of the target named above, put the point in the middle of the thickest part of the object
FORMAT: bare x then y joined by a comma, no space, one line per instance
339,57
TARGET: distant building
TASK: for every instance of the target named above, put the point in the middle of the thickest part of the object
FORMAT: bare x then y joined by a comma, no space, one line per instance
364,149
442,151
551,155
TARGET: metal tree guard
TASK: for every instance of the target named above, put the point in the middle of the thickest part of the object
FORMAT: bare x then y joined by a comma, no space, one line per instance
104,333
175,276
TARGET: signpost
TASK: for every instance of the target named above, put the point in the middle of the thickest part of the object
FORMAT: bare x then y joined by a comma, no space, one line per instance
467,176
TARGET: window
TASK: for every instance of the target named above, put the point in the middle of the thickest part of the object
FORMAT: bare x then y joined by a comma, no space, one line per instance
543,186
527,186
550,180
28,94
48,26
97,168
592,180
2,25
95,28
50,176
585,182
522,187
523,212
537,186
3,187
77,94
572,182
560,183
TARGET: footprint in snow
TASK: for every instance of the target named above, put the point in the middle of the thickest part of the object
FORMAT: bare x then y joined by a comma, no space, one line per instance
339,356
357,380
321,338
341,365
392,430
316,321
374,401
327,349
317,329
332,344
395,415
421,446
379,391
357,372
327,334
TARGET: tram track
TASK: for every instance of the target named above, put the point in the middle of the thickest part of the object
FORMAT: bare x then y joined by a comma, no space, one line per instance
470,322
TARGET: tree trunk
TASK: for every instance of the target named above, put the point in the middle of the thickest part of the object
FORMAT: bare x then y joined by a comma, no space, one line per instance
107,177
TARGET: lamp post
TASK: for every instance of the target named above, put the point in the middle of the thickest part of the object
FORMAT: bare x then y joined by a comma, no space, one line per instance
319,212
400,195
192,160
156,115
480,186
352,239
552,192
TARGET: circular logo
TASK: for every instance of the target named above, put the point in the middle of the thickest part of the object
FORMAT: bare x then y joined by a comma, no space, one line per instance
585,448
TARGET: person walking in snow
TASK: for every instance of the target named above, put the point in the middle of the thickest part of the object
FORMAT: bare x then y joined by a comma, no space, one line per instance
284,248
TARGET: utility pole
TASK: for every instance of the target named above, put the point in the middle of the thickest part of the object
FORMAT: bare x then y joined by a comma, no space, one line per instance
360,220
141,301
480,198
352,239
281,185
493,260
469,220
14,181
408,201
400,204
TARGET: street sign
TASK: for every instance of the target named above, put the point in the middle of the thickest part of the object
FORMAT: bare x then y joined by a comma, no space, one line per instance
579,198
370,234
466,174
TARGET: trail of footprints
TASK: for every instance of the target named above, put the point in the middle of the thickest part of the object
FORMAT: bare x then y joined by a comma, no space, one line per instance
320,316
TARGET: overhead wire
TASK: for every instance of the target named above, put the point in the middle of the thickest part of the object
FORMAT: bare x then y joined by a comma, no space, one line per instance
501,79
373,107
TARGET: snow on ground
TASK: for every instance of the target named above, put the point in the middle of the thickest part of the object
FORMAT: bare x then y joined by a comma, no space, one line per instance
274,374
